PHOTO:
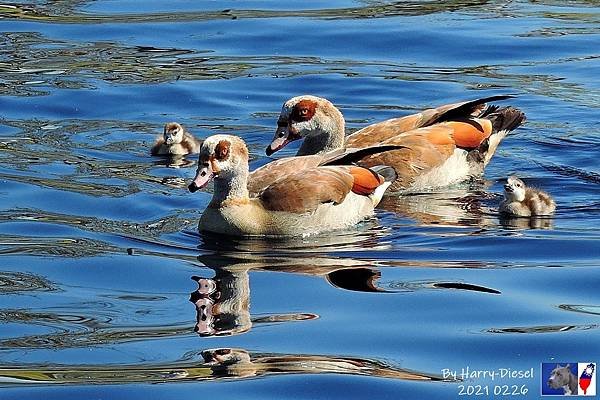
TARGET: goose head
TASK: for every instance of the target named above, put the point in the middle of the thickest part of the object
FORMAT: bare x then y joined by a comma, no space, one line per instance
304,116
514,189
222,157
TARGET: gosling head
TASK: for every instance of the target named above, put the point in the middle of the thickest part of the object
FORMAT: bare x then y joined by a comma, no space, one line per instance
221,157
300,116
173,133
514,189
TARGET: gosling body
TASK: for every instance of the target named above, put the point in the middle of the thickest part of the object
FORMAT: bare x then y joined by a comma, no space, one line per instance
175,141
522,201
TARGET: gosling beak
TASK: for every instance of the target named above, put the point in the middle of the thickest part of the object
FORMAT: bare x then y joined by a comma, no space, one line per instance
202,178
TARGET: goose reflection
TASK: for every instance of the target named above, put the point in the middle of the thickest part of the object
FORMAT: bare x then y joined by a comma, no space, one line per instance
222,303
215,364
239,363
455,207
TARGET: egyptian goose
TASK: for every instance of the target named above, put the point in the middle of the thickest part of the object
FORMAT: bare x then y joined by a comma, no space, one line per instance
175,140
522,201
442,145
298,202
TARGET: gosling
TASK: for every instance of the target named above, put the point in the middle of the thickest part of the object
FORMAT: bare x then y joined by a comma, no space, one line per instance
522,201
175,140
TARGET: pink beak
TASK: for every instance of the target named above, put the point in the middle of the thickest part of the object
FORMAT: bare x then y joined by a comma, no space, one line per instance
283,136
276,144
203,177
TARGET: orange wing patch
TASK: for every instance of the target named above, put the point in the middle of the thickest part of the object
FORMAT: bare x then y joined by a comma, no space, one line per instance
470,133
439,135
365,181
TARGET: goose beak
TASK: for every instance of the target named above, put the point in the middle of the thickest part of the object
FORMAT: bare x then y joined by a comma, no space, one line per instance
283,136
280,140
202,178
275,145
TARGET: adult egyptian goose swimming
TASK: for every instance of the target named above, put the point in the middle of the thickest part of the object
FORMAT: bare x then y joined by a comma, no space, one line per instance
299,202
175,140
522,201
441,146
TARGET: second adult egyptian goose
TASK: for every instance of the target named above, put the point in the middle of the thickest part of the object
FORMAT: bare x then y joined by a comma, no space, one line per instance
299,202
441,146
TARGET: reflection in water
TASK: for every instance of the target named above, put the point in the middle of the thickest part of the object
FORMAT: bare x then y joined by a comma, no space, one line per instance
543,329
455,207
74,330
580,308
223,304
367,235
224,363
139,233
66,12
411,286
356,279
535,222
176,161
61,247
239,363
22,283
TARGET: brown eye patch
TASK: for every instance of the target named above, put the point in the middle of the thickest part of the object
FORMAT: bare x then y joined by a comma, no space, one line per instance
222,150
304,110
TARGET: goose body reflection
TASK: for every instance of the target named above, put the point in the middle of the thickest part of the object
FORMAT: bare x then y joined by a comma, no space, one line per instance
222,303
239,363
215,364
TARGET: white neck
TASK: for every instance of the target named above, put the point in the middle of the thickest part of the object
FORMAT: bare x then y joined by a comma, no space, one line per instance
515,196
230,187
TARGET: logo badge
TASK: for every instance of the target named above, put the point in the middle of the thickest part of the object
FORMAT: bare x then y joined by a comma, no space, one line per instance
569,379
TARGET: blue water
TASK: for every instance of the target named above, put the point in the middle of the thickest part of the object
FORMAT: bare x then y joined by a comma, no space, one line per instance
98,240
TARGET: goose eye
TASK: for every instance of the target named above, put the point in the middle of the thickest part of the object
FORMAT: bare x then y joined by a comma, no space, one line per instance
303,111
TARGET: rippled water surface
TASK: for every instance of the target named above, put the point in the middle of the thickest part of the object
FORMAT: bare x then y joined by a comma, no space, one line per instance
99,250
